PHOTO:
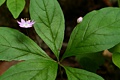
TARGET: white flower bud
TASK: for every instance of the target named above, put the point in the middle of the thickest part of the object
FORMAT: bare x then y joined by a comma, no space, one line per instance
79,19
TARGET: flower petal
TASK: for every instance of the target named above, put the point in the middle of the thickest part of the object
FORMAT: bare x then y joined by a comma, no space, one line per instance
25,24
22,20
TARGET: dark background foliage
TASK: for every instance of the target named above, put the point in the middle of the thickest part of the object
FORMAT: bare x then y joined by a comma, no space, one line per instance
72,9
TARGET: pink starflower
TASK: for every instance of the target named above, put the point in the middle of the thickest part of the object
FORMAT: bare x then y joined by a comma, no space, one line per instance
25,23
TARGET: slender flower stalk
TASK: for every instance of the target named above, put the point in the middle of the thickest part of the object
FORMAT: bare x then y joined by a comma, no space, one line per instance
25,23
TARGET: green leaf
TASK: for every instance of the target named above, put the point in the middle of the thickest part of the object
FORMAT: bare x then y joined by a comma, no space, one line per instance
1,2
38,69
91,62
88,64
118,3
116,48
15,7
98,31
116,59
116,55
16,46
79,74
49,22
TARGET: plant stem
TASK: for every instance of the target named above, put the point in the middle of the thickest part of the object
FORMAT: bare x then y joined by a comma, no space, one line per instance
61,72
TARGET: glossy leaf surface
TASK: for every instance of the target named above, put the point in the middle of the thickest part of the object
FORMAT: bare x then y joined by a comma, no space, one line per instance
15,7
79,74
98,31
38,69
49,22
16,46
1,2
